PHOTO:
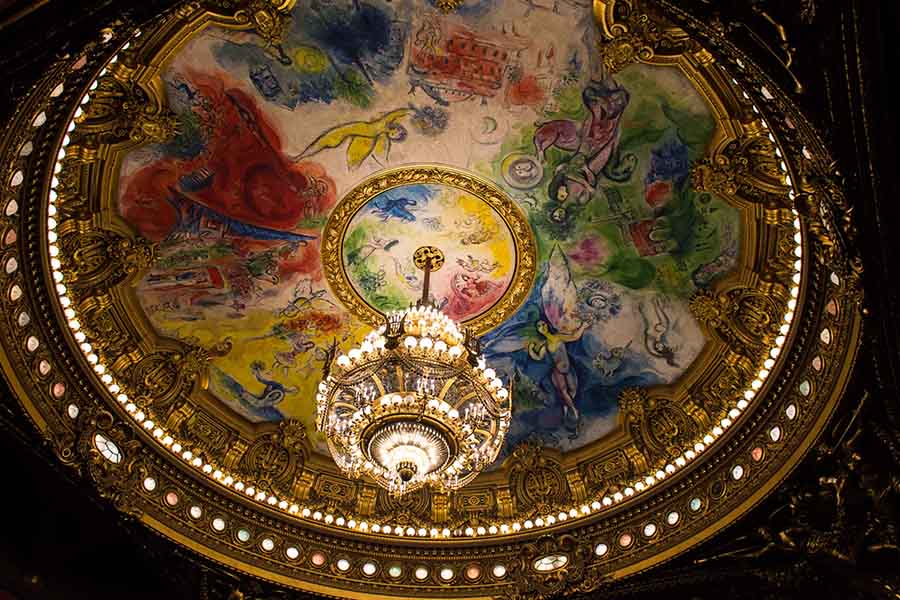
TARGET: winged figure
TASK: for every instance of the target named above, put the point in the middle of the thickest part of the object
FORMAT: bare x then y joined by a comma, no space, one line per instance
366,138
542,337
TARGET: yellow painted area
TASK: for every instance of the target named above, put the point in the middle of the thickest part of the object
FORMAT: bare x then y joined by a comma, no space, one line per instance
499,247
310,59
251,343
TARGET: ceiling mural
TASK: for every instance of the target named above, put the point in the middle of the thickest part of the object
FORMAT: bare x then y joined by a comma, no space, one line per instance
270,138
199,213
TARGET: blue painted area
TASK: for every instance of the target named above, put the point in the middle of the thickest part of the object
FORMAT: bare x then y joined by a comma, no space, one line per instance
255,407
361,43
400,203
595,372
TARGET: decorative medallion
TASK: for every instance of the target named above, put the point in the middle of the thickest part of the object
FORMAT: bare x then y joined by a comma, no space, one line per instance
369,240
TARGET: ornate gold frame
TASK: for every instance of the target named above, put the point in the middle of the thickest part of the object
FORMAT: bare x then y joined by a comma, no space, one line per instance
336,228
127,110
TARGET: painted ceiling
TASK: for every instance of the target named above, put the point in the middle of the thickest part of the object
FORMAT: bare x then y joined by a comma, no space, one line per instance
638,223
272,137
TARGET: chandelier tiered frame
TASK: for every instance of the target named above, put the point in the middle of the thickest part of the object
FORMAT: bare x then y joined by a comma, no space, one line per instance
415,403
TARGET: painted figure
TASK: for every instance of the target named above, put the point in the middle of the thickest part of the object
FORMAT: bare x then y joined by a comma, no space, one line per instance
469,293
594,143
366,138
547,342
273,392
271,131
241,179
658,329
563,376
388,207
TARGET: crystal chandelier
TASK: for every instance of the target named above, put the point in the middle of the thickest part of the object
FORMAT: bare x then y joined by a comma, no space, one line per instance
414,404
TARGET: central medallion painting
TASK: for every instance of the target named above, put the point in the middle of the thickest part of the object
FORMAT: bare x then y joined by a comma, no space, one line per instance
381,238
273,140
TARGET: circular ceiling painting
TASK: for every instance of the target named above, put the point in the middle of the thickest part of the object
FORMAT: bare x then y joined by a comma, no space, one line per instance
632,226
371,237
480,247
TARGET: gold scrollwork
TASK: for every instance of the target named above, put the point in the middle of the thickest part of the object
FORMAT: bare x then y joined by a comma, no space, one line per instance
537,480
95,259
206,432
123,111
332,492
117,479
746,320
608,474
631,35
409,509
572,570
448,6
661,429
747,168
829,217
275,458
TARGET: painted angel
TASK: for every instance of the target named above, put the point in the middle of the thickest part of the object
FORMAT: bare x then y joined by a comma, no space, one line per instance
544,338
366,138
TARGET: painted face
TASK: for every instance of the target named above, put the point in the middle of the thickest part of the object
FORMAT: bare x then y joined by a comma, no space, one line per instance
542,327
397,132
523,170
558,215
562,193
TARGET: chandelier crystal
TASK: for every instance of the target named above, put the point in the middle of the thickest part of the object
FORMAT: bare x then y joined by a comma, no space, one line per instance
414,404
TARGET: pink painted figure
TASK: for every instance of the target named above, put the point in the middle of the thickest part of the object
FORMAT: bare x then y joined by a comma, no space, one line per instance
597,137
